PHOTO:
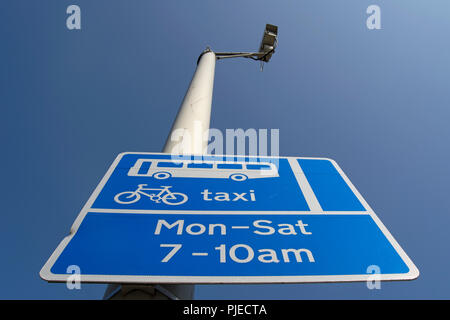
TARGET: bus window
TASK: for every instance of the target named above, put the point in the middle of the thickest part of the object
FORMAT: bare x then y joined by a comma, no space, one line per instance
258,167
229,166
200,165
144,167
169,164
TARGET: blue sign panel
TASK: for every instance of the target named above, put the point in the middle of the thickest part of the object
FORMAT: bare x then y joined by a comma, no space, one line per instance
156,218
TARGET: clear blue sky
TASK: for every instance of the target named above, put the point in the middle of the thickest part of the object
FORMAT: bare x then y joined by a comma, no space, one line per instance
375,101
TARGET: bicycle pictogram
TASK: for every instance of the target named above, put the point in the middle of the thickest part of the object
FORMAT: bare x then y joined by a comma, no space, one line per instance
154,194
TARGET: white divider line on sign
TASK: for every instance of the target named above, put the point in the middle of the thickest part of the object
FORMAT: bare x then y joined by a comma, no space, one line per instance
303,183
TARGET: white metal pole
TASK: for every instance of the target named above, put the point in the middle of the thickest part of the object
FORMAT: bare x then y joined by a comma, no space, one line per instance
189,135
189,130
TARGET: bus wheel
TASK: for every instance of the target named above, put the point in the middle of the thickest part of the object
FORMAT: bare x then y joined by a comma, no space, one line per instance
238,177
161,175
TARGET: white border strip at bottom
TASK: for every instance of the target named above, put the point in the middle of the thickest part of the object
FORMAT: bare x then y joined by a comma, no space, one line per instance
411,275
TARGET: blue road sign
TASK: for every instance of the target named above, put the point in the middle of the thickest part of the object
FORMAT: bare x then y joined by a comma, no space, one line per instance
157,218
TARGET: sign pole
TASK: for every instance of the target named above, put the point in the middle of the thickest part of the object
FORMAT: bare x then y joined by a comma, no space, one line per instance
190,126
192,121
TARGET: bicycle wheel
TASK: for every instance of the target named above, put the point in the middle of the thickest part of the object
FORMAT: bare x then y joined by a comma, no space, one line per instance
175,198
127,197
